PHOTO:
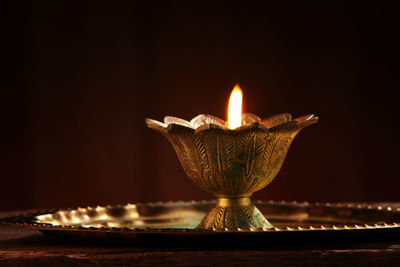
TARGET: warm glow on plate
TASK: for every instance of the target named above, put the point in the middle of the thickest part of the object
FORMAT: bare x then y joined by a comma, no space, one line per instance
235,108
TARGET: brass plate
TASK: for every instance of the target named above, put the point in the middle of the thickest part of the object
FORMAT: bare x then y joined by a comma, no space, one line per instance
179,219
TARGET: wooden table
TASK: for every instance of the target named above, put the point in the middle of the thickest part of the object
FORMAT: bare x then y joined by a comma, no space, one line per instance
21,247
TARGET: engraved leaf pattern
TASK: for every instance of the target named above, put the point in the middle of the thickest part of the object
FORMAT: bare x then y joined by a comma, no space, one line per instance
243,217
251,145
232,162
276,150
187,155
207,176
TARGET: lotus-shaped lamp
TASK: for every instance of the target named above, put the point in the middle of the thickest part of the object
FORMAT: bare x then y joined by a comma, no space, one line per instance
230,163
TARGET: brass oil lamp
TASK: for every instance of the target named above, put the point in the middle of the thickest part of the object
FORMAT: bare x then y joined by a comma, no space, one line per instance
232,159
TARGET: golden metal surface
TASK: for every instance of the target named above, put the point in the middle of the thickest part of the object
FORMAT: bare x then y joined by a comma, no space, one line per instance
177,221
232,164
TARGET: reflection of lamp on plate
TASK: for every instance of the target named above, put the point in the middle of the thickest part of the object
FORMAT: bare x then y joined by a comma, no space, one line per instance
232,159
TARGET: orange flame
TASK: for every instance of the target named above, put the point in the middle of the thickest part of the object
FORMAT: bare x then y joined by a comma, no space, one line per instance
235,108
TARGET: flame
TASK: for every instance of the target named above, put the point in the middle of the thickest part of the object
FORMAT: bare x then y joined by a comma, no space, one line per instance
235,108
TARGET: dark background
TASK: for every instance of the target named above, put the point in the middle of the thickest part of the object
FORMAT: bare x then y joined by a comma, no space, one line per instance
79,78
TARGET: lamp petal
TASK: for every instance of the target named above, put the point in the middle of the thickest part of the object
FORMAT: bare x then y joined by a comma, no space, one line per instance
276,120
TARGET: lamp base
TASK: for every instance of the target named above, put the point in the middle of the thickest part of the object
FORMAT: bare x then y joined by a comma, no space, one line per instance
234,214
